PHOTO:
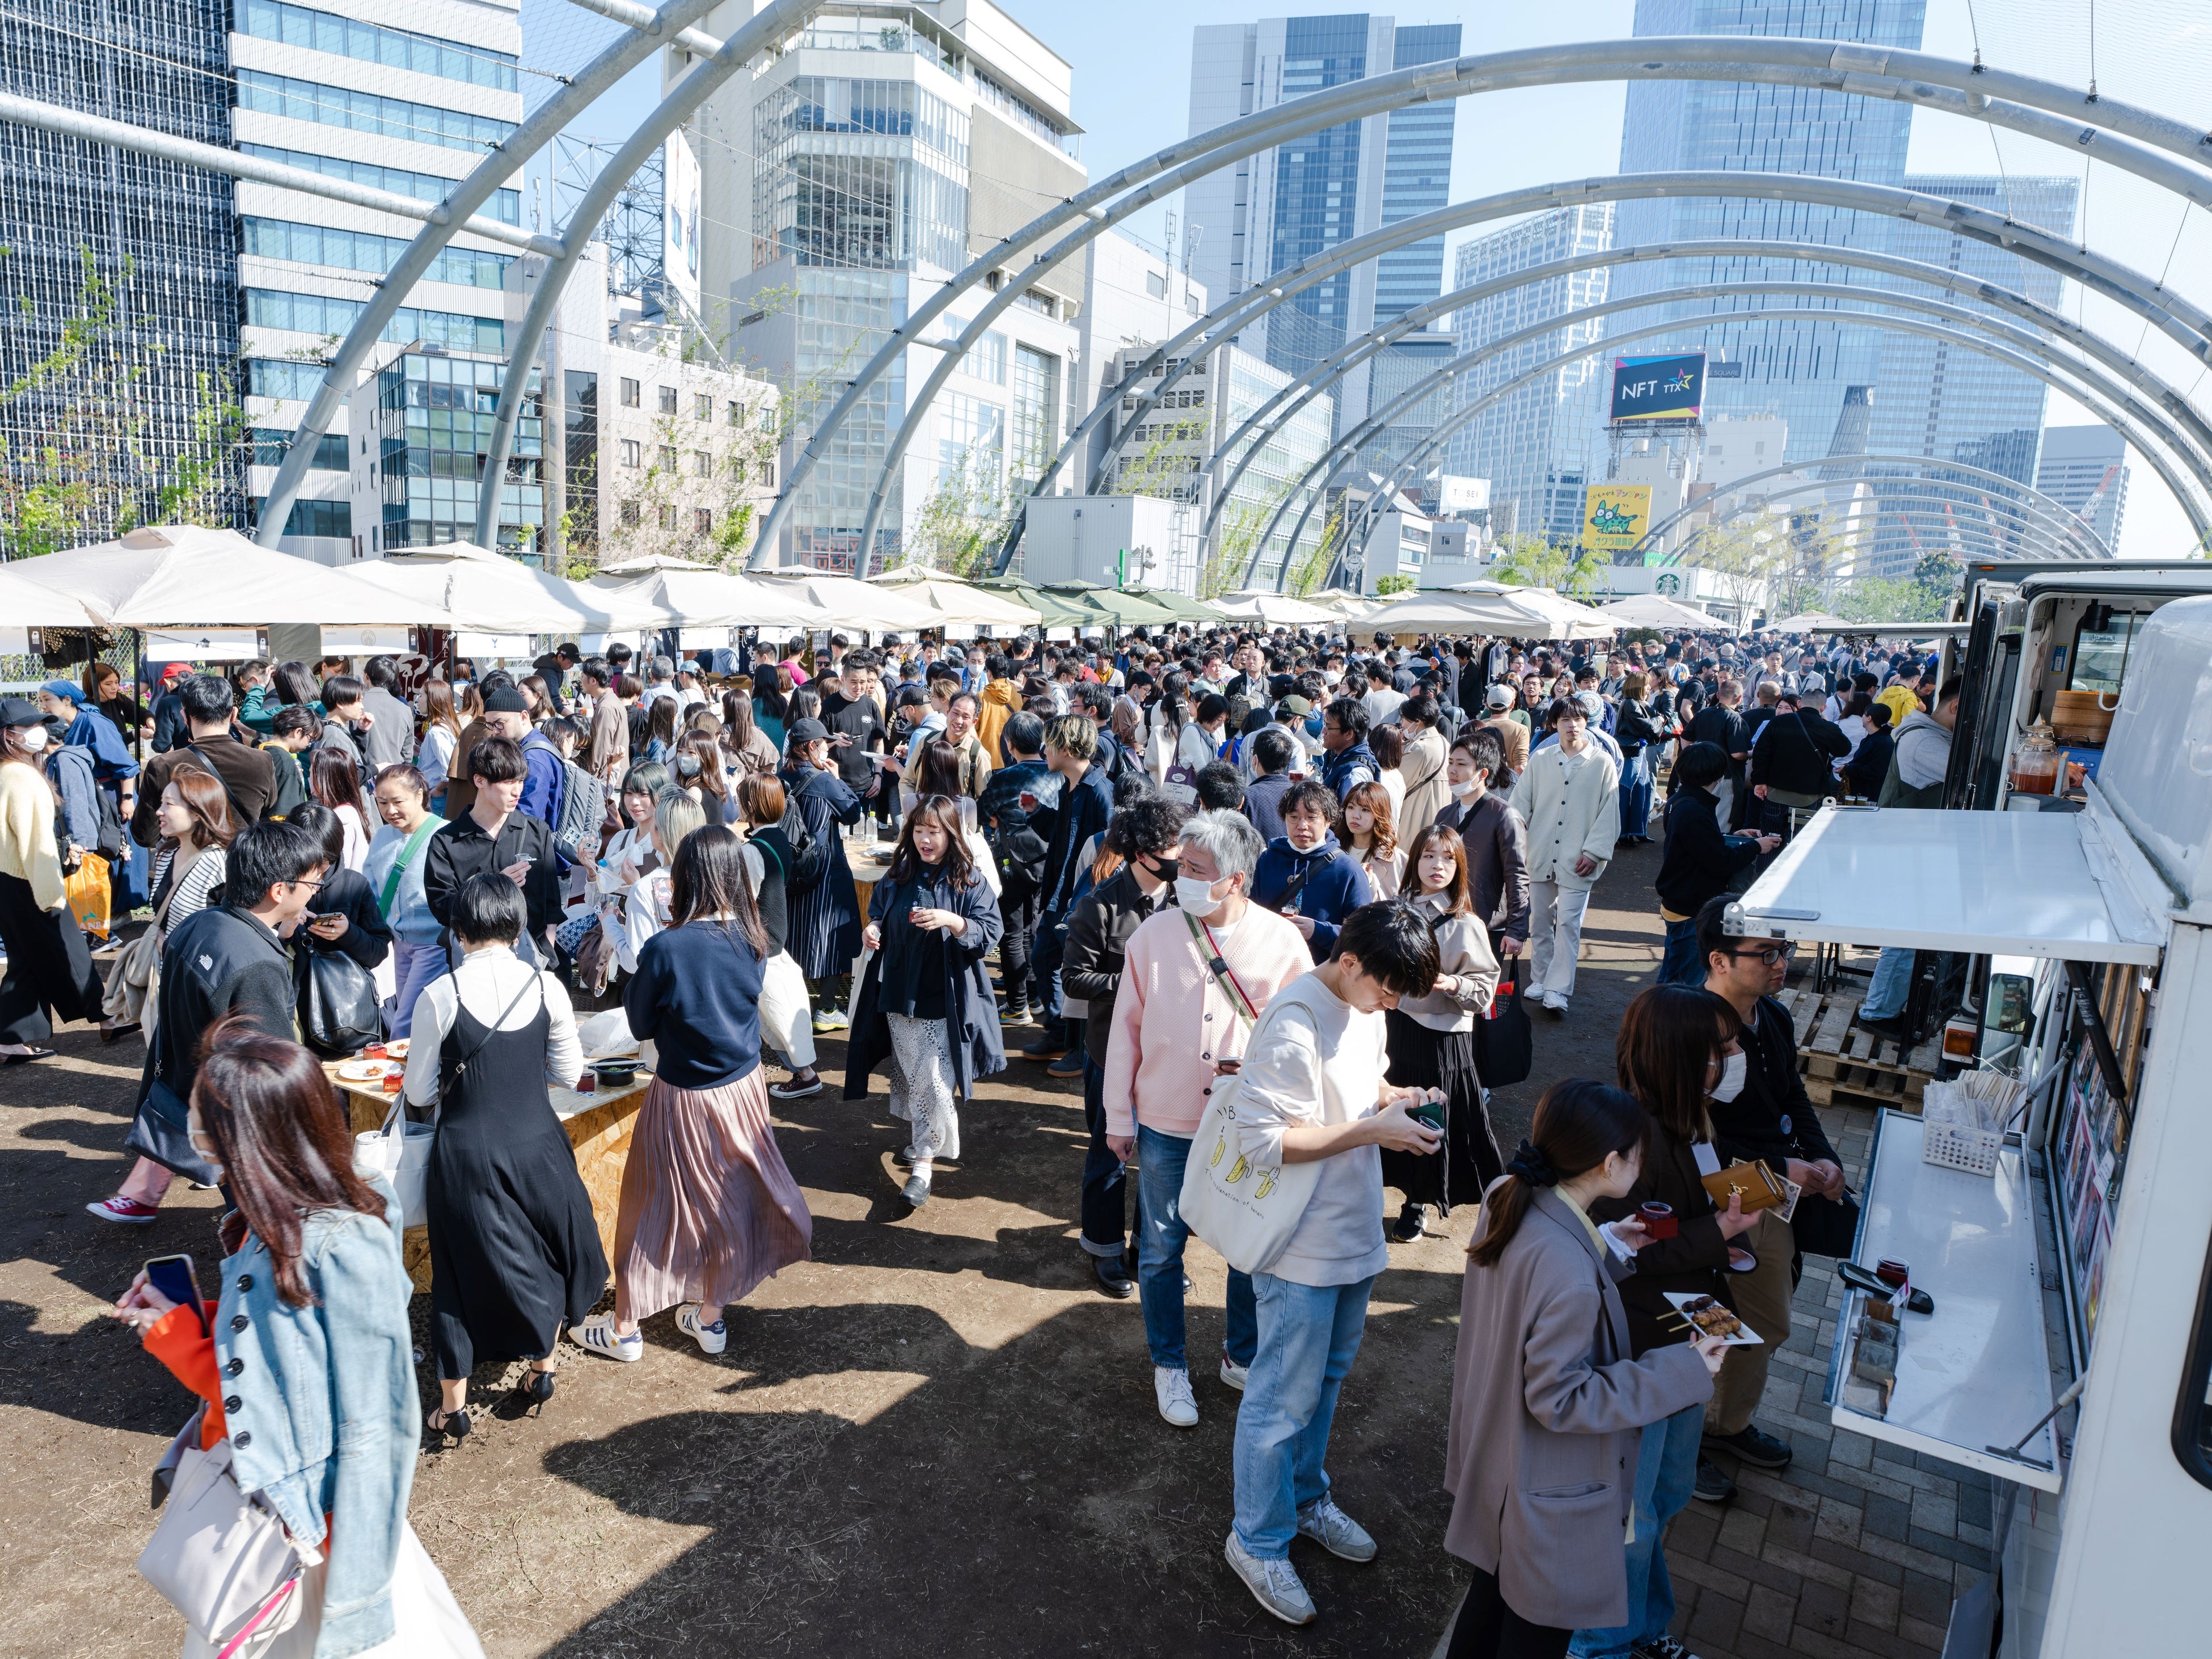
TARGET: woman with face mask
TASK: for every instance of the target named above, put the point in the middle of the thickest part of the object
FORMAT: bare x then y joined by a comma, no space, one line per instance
50,971
1677,1049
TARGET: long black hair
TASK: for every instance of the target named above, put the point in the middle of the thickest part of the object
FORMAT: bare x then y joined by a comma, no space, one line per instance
1576,1123
709,882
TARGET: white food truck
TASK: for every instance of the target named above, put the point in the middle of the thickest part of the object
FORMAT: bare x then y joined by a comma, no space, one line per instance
2079,1250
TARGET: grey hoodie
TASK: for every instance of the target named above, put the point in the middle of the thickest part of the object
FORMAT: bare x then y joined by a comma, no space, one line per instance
1923,751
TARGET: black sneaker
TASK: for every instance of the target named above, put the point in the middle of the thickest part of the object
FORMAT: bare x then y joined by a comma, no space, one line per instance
1665,1647
1408,1226
1113,1278
1043,1049
1713,1485
1752,1445
1894,1028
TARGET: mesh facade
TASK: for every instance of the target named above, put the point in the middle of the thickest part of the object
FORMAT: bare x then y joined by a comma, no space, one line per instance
159,233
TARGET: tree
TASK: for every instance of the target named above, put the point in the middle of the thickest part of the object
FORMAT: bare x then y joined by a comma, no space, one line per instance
97,466
1386,585
961,527
1532,562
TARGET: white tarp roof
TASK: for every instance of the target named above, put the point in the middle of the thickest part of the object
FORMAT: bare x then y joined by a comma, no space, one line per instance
1808,621
853,604
27,603
697,597
1658,610
187,576
487,592
1276,610
954,600
1528,613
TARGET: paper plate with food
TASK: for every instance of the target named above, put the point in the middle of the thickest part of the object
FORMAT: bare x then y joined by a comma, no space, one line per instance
1709,1316
365,1071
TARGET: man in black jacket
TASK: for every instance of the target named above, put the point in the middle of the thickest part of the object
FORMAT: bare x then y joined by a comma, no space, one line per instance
228,958
1868,766
1793,762
1098,929
493,837
1700,860
1717,723
1760,1114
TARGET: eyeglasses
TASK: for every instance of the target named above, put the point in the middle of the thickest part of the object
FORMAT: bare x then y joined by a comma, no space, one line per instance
1769,954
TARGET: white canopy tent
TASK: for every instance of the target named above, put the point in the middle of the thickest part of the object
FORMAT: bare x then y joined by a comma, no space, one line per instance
957,603
853,605
487,593
1808,621
25,604
1658,610
1275,609
1567,619
700,597
187,576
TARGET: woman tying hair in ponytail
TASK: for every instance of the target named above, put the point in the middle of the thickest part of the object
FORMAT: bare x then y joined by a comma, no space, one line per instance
1548,1410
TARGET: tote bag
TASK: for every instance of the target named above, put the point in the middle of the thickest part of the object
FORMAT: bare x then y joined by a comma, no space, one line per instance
400,1152
222,1561
1504,1038
1245,1212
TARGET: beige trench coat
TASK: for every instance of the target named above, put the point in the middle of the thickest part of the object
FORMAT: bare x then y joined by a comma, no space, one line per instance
1546,1413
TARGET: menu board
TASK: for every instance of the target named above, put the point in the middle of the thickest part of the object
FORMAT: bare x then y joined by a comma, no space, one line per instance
2092,1146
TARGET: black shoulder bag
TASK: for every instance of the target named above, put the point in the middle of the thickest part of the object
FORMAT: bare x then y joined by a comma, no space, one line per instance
1505,1037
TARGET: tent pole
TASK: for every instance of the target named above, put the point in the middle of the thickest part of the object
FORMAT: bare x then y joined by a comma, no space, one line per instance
138,678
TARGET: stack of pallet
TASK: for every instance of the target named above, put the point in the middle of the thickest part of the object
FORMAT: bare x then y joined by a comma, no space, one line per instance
1844,1064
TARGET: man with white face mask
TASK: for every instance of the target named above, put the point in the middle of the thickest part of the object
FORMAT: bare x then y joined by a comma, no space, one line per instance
1193,979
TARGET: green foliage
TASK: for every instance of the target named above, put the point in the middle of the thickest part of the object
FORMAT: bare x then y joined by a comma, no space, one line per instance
1386,585
1532,562
961,527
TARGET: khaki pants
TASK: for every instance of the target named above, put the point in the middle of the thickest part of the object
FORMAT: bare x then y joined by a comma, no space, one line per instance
1762,1302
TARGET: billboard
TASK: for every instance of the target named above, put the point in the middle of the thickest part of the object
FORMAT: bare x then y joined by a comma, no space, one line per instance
1461,495
1670,388
1616,516
679,247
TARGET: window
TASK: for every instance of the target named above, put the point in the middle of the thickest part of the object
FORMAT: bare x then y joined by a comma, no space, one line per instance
987,360
667,399
630,390
348,37
702,464
1156,284
359,249
702,520
270,443
768,475
366,111
668,517
319,313
702,406
1035,401
629,513
506,205
272,378
1039,303
737,413
668,461
632,454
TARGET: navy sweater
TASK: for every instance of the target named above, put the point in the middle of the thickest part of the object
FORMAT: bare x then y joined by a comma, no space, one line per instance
697,994
1335,887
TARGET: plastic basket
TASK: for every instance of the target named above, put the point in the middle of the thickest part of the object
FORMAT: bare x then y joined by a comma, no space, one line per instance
1955,1147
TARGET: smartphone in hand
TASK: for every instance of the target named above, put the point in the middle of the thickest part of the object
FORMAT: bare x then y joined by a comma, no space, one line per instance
178,1279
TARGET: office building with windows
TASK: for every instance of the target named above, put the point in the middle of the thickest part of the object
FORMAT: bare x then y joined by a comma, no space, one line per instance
1543,444
1793,362
1271,210
340,87
2085,470
143,247
882,149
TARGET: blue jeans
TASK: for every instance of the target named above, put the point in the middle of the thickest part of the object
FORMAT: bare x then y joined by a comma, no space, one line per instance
1892,986
1045,954
1160,1236
1308,1337
1636,794
1666,1470
1680,966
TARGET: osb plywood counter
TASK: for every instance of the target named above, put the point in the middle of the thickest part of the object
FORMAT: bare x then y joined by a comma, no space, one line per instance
599,1125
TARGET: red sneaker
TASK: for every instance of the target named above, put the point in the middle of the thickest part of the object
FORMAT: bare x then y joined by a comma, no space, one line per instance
128,1211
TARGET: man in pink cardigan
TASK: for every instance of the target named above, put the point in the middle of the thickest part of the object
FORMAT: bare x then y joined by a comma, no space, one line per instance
1177,1018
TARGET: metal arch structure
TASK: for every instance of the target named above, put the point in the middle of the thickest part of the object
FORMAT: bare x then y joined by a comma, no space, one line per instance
2187,326
1933,502
763,29
1354,352
1347,447
2128,137
1553,364
2199,520
2023,495
646,32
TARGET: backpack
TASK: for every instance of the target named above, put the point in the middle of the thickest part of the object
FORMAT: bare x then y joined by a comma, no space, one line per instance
108,840
809,853
583,809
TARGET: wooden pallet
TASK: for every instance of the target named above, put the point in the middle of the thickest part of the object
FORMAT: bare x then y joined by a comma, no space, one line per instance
1838,1057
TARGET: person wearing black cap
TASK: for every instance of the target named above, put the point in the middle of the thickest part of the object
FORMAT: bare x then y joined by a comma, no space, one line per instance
825,918
545,779
50,970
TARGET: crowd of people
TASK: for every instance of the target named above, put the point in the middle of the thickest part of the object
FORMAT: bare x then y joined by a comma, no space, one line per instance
1323,870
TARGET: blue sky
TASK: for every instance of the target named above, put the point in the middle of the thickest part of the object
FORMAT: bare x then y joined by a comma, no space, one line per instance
1131,77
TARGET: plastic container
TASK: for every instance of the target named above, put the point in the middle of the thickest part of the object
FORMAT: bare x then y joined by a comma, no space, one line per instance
2037,762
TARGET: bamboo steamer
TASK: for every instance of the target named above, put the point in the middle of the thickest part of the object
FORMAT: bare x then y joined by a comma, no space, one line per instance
2076,718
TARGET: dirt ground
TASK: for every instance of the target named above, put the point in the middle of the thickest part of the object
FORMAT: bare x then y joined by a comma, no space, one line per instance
936,1437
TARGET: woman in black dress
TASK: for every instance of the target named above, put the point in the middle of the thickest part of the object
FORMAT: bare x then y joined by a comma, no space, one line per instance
513,1249
825,915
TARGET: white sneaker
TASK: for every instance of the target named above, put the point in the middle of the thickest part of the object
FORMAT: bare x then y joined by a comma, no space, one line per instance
1335,1531
598,1333
1555,1002
1234,1374
1275,1584
711,1339
1172,1390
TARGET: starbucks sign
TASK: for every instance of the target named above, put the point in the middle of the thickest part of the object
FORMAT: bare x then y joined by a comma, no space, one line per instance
1669,584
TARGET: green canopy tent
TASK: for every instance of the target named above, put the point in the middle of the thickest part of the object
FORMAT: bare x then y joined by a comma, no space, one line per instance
1182,606
1055,611
1112,607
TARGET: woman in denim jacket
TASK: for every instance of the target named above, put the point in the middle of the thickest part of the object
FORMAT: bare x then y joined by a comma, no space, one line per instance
309,1369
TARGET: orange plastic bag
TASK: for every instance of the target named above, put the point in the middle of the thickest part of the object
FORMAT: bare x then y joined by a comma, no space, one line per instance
90,895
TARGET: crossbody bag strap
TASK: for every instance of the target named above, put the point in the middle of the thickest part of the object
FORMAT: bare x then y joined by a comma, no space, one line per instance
1240,1003
422,832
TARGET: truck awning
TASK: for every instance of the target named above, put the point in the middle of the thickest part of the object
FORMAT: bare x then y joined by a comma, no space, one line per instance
2011,884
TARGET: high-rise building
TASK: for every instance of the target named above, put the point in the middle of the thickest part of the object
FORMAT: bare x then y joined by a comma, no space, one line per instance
339,87
145,248
1541,444
1793,363
2085,469
877,155
1282,205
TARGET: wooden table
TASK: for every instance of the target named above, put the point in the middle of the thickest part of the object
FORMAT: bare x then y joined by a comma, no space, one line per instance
599,1125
